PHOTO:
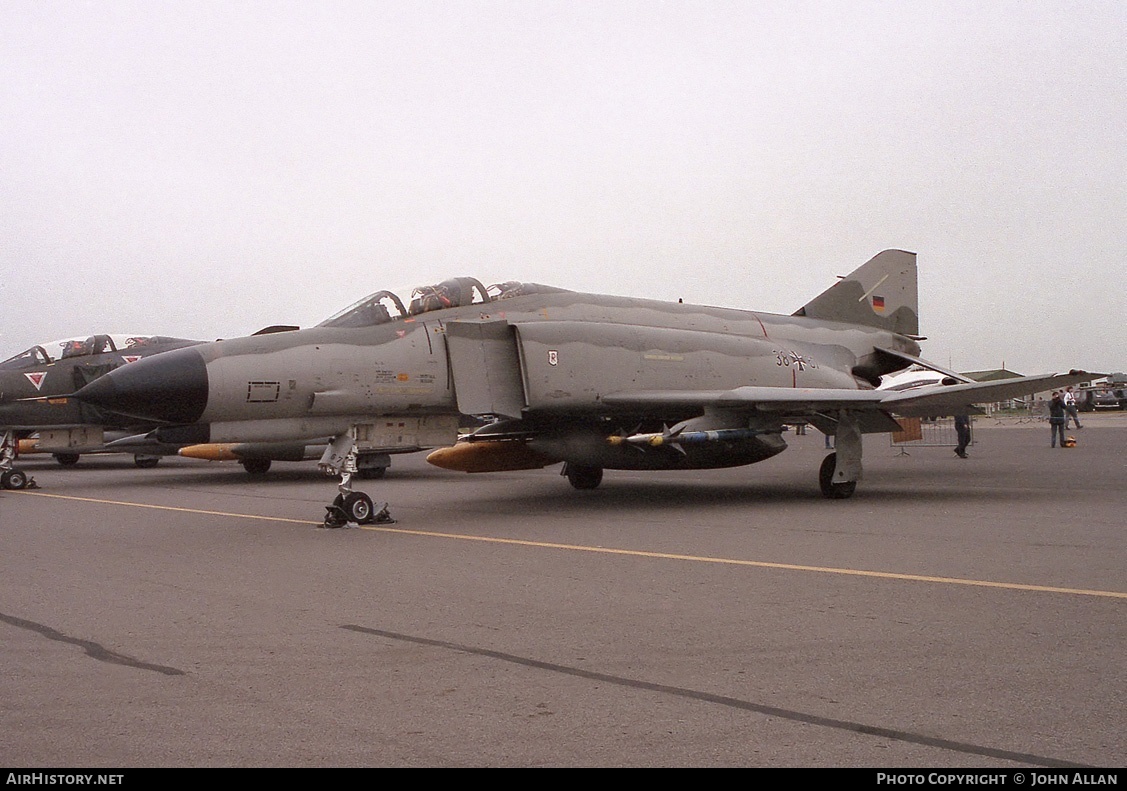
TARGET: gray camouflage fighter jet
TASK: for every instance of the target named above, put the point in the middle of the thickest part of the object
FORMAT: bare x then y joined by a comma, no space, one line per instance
36,415
596,382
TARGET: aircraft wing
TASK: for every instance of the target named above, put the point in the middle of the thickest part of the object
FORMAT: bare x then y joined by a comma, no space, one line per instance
802,403
922,401
768,399
948,399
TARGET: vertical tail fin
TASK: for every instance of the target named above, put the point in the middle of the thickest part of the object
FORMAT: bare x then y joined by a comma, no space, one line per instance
881,293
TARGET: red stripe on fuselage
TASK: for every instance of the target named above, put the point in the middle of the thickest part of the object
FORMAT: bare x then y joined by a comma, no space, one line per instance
760,324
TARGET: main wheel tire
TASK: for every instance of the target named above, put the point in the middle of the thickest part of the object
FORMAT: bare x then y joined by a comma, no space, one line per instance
146,462
13,479
372,473
67,459
256,466
831,490
358,508
582,477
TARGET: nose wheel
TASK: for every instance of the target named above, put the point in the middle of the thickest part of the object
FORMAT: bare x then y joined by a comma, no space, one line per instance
16,479
349,506
356,507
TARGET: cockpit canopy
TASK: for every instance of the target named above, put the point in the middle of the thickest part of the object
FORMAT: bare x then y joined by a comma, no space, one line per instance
47,353
385,306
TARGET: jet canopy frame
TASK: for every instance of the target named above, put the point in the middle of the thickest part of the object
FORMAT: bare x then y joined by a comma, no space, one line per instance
384,307
68,348
34,357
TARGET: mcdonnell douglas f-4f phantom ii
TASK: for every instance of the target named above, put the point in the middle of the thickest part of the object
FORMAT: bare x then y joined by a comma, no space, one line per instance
34,388
596,382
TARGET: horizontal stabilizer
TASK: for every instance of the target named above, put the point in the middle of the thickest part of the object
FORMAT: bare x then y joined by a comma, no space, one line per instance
924,364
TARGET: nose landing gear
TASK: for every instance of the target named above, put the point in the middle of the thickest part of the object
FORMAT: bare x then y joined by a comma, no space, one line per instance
10,476
16,479
349,506
355,507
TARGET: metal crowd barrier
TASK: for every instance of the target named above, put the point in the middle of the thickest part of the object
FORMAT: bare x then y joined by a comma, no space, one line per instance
926,433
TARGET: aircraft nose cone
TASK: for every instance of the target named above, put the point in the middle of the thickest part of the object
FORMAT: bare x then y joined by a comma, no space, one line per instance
169,387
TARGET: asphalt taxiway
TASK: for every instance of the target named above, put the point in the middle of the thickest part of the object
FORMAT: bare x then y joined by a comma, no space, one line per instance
953,613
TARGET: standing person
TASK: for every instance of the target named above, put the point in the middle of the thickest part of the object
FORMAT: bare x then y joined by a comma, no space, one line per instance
1056,419
962,431
1070,411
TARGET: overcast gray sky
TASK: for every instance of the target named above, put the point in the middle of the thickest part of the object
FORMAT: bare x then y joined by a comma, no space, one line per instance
204,169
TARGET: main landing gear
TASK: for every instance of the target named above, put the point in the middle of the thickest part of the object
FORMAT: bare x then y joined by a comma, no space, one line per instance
349,506
257,467
831,490
10,476
581,476
840,470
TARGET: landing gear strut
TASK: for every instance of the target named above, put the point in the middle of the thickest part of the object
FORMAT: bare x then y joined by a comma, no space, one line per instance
349,506
10,476
840,471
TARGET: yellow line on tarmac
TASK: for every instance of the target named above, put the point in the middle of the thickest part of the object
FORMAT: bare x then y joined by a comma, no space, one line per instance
167,508
757,563
629,552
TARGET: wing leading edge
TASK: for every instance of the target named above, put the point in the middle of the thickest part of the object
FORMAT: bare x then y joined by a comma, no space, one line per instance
949,399
923,401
